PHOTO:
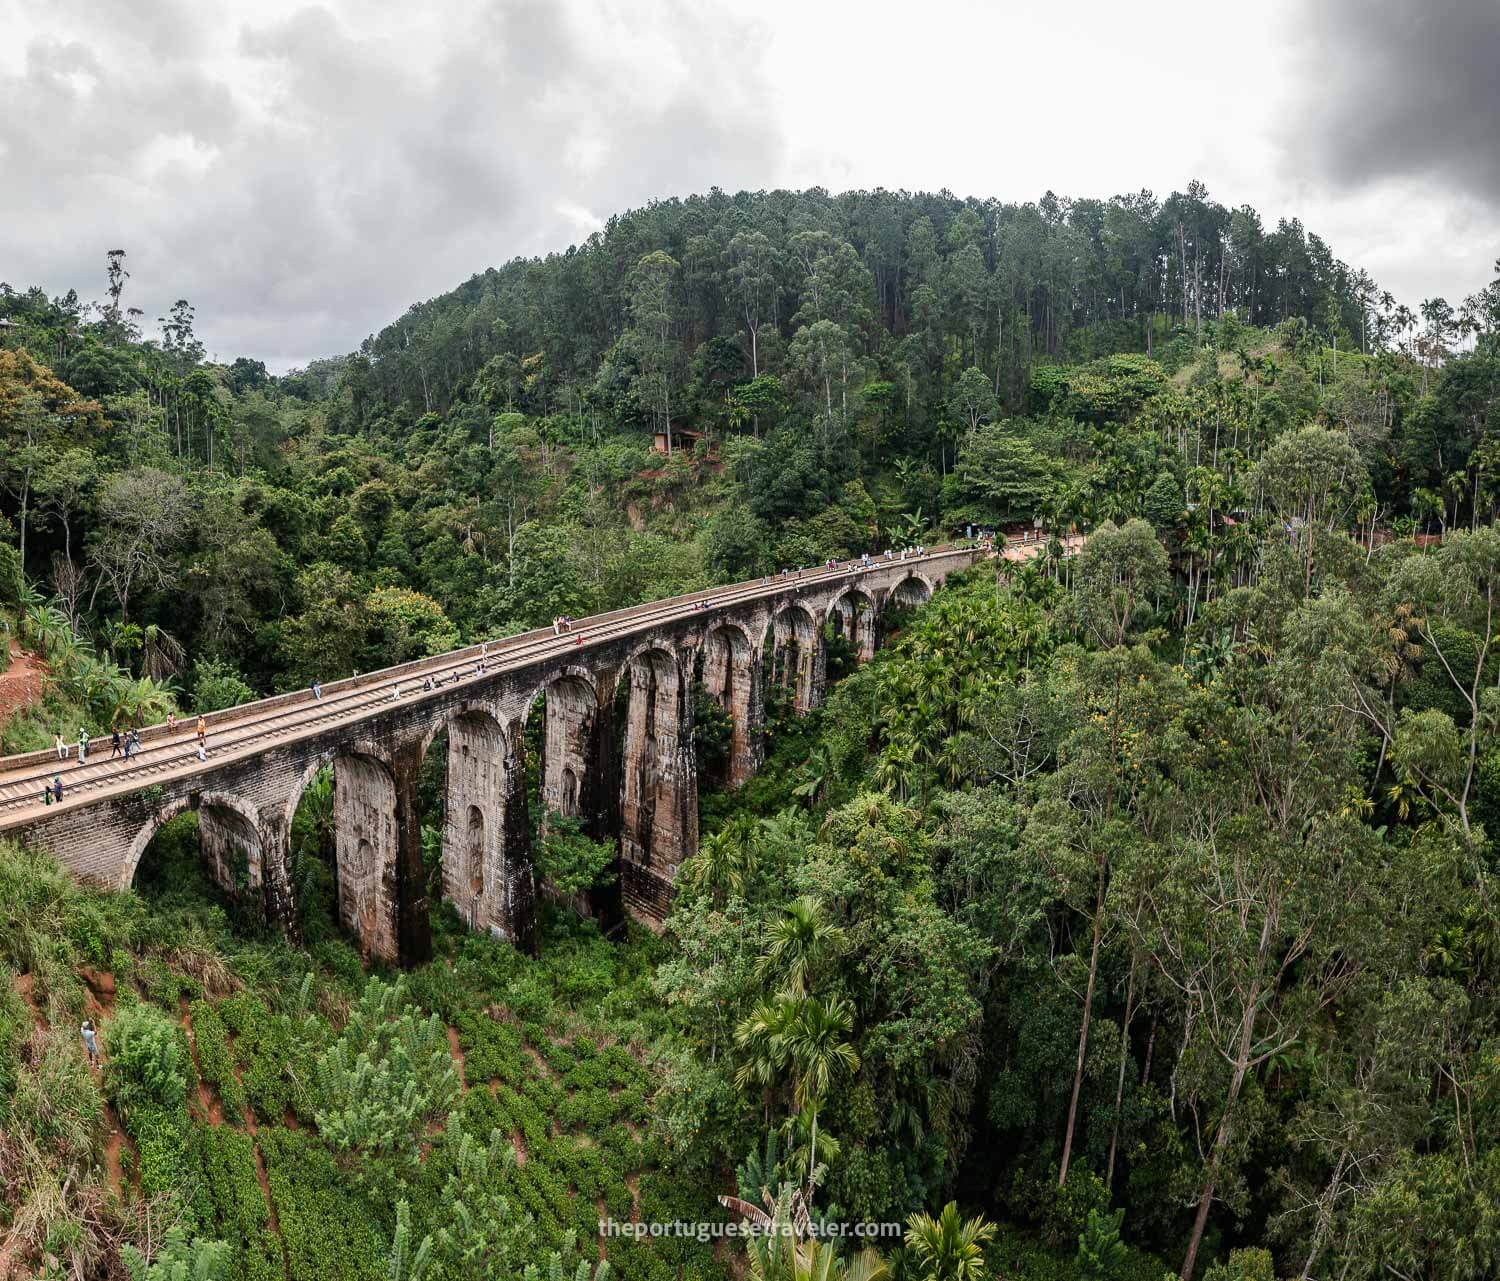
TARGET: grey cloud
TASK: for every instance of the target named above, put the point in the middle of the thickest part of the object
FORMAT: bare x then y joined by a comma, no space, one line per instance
1397,89
302,180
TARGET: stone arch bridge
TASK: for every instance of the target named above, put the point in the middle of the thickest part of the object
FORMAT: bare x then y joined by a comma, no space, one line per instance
617,753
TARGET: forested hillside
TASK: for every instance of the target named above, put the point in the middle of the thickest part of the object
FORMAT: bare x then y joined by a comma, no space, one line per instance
1139,904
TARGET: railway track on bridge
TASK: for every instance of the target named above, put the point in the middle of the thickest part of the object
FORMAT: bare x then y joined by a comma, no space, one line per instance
254,725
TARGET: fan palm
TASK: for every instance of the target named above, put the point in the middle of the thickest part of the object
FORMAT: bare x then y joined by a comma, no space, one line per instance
141,701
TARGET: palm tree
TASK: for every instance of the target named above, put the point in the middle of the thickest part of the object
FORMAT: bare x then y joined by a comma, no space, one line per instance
784,1249
121,640
820,1055
48,629
162,654
816,772
801,941
141,702
947,1248
802,1137
761,1039
722,864
898,769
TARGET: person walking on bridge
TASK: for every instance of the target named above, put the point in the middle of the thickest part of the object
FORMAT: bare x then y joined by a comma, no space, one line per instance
202,730
83,745
57,788
114,743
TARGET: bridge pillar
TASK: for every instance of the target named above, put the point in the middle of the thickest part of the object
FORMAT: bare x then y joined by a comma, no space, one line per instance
659,802
276,872
732,677
568,747
378,848
474,820
366,837
518,881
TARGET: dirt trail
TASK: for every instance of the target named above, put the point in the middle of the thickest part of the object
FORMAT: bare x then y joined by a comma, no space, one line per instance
101,990
21,683
518,1141
273,1222
114,1145
25,988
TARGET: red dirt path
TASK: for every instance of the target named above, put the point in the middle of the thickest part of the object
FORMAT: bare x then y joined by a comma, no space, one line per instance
21,682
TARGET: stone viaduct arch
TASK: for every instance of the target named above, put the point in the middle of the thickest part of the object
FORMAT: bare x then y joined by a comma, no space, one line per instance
853,615
732,675
798,662
914,589
630,774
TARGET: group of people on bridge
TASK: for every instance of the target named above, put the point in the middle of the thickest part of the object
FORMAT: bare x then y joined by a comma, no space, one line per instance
121,745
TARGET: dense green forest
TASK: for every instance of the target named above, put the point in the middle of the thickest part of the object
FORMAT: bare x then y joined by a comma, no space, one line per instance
1137,905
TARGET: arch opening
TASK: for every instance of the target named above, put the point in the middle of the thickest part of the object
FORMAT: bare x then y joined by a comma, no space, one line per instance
798,656
852,617
728,707
569,749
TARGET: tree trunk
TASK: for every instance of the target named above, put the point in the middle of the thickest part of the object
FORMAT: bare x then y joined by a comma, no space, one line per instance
1221,1135
1114,1133
1083,1031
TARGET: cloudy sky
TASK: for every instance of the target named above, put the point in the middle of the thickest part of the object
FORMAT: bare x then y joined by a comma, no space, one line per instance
302,172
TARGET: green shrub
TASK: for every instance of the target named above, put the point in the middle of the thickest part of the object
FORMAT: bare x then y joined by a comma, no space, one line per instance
1243,1265
240,1215
329,1229
179,1260
492,1049
215,1059
163,1140
147,1064
276,1056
